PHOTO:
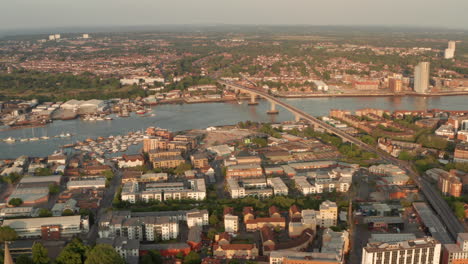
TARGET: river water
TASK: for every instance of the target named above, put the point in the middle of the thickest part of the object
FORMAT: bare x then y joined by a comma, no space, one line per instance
199,116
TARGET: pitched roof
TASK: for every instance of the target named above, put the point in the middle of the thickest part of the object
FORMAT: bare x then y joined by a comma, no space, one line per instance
248,210
266,220
273,209
237,247
228,210
294,209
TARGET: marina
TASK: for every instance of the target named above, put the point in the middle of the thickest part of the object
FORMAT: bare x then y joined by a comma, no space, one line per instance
111,144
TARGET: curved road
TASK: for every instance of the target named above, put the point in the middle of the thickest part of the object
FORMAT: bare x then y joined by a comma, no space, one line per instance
437,202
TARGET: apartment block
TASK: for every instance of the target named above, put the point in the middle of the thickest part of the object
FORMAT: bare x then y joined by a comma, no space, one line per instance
456,253
168,162
319,182
197,218
244,171
450,184
279,187
461,153
231,223
199,160
419,251
328,214
154,154
147,191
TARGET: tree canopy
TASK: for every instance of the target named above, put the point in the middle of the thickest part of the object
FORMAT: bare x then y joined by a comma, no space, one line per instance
103,254
192,258
153,257
73,253
7,234
40,254
15,202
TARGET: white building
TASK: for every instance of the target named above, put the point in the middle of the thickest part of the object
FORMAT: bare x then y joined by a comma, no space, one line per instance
16,212
456,253
235,190
328,214
338,179
89,106
141,79
146,191
197,218
129,161
449,52
231,223
321,86
421,77
32,227
279,187
420,251
446,131
86,183
303,185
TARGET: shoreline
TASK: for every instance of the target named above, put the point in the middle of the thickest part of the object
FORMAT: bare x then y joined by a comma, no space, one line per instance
181,101
373,95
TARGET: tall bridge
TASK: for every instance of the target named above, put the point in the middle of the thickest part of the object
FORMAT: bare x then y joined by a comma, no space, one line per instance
437,202
299,114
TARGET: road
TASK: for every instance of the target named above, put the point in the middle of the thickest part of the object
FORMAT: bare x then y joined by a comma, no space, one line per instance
219,177
436,201
105,204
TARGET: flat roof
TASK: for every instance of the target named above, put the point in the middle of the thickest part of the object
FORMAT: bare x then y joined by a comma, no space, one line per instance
34,179
432,222
25,223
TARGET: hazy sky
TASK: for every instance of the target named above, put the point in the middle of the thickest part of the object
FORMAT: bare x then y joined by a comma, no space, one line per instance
69,13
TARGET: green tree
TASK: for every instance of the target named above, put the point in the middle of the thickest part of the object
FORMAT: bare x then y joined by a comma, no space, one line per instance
405,155
73,253
103,254
39,254
368,140
214,219
7,234
43,172
108,174
24,259
53,189
67,212
182,168
180,255
261,142
44,212
153,257
459,209
192,258
211,233
15,202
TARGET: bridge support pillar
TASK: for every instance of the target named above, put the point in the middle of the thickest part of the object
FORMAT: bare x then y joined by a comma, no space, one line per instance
297,118
273,110
253,100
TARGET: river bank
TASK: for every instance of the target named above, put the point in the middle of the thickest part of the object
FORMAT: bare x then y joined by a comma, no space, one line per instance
373,95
